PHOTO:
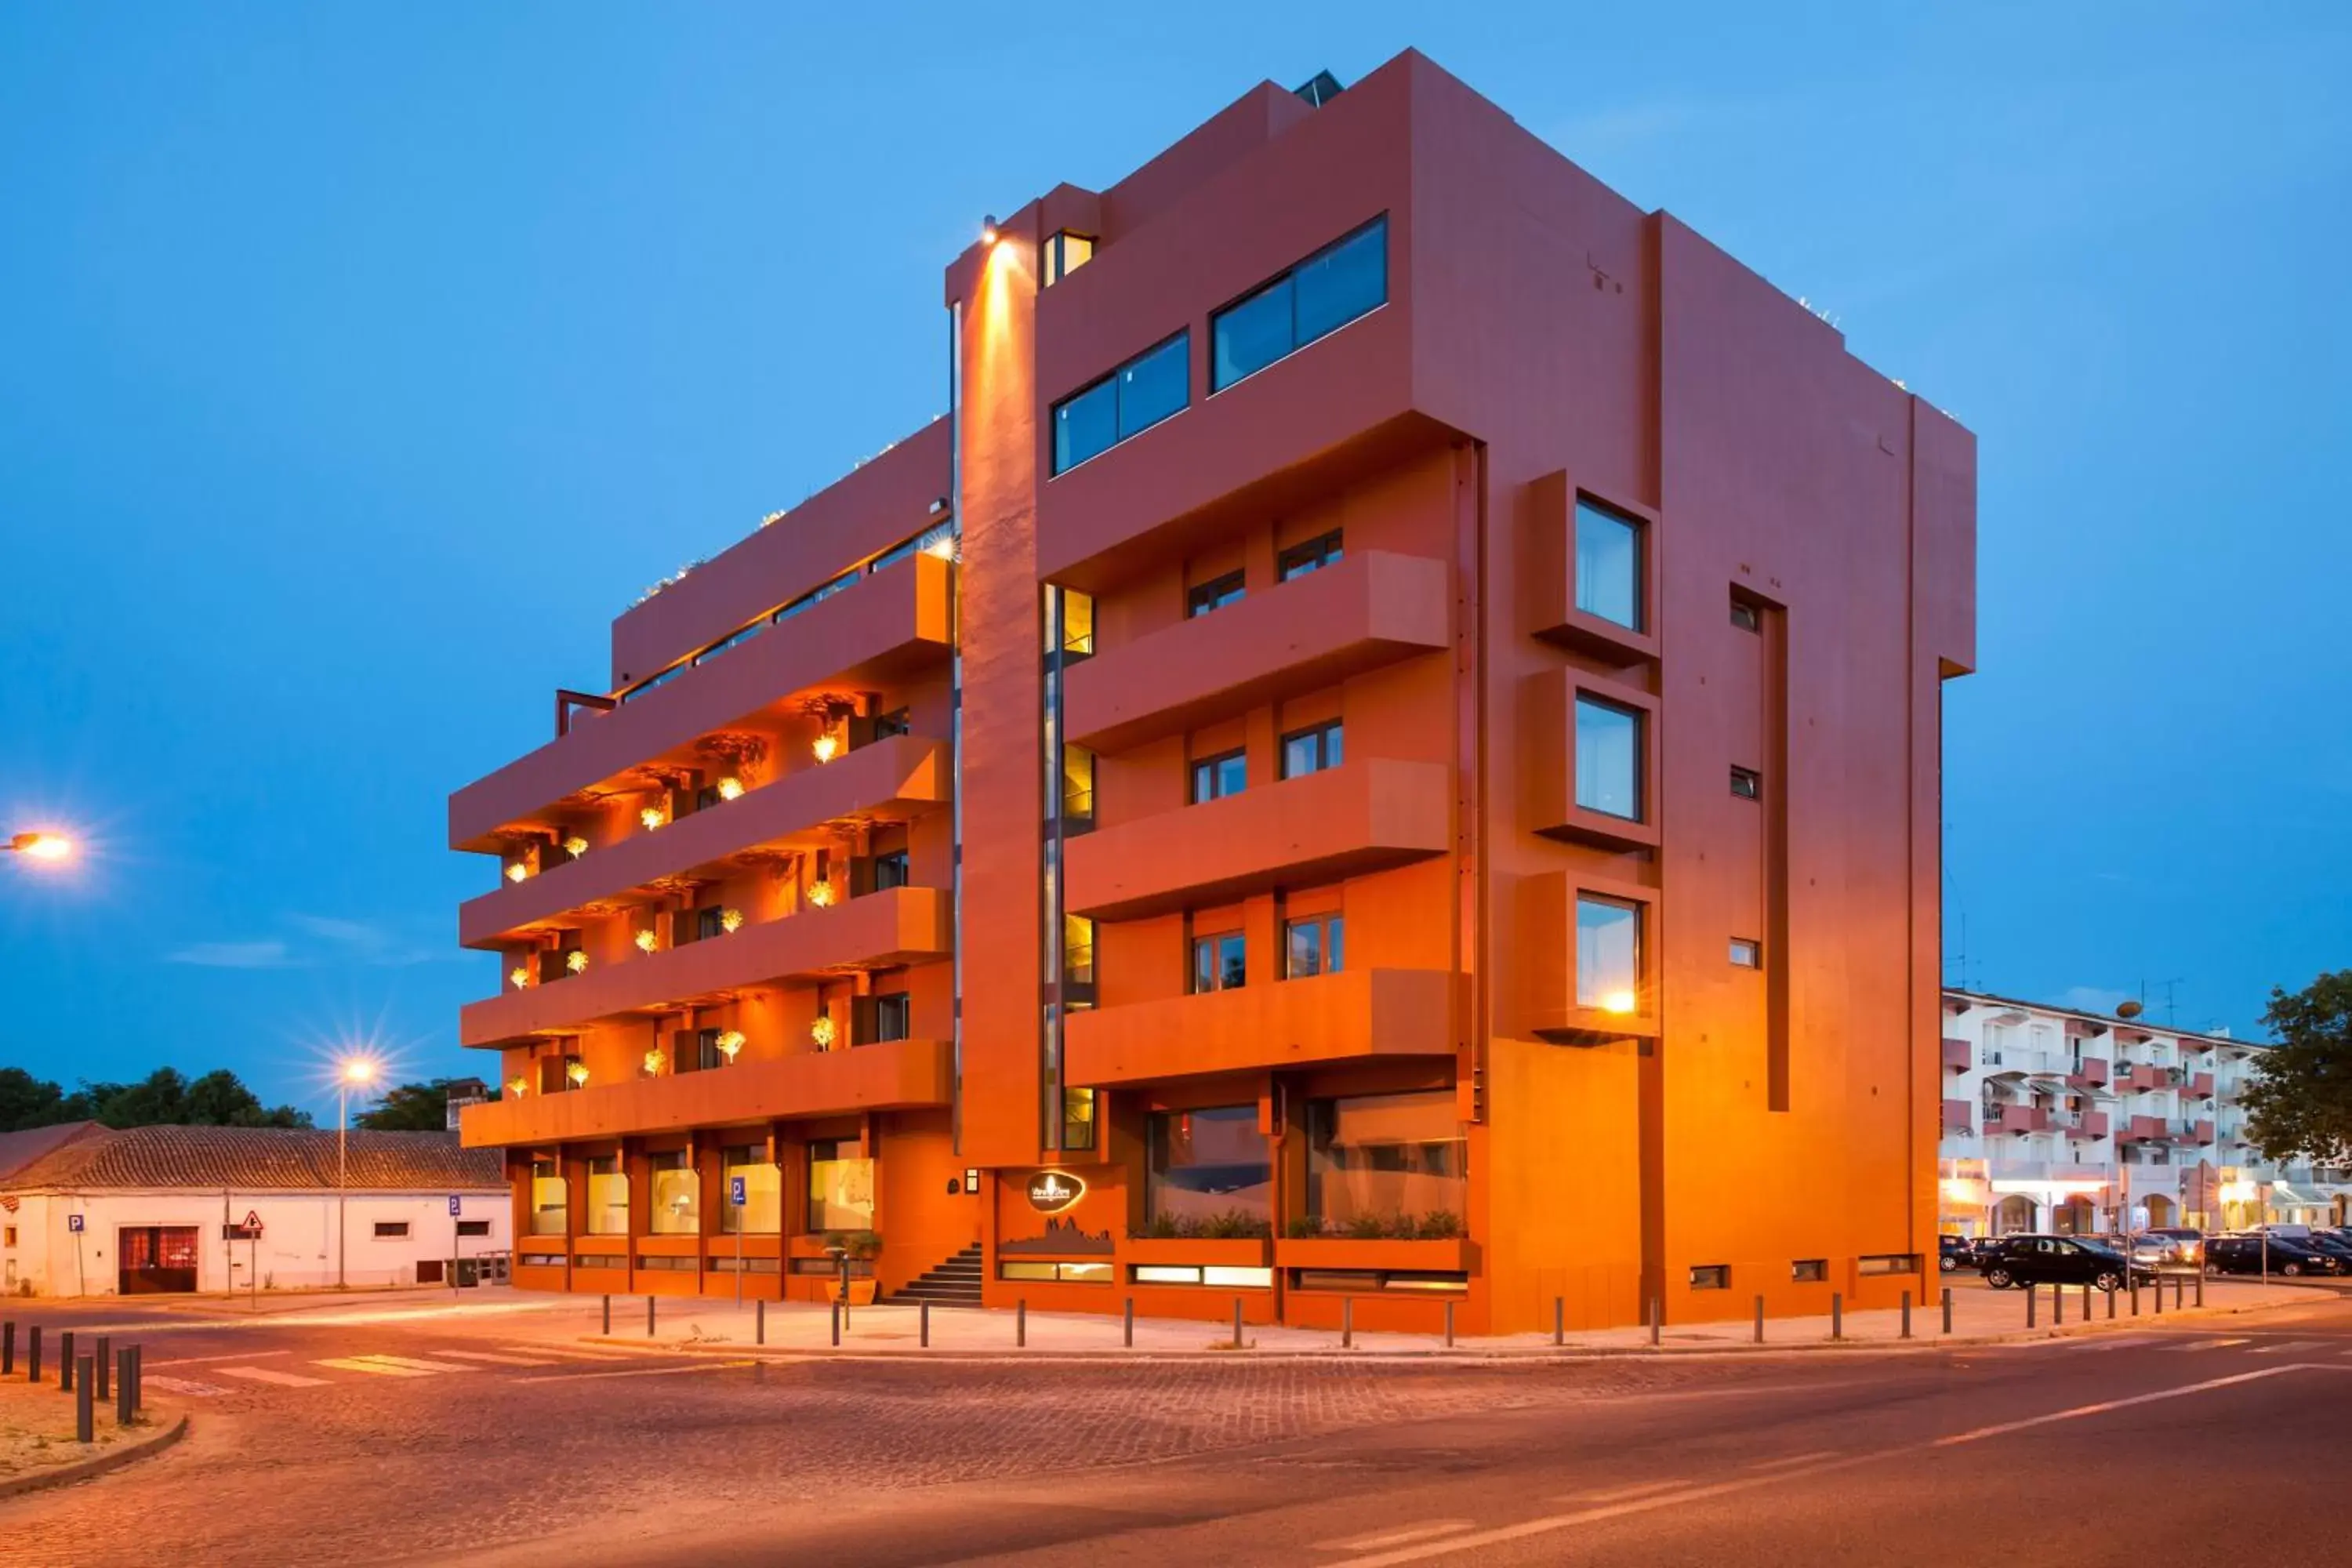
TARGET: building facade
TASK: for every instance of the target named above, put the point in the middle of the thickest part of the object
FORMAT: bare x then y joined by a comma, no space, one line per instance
2086,1124
87,1210
1386,747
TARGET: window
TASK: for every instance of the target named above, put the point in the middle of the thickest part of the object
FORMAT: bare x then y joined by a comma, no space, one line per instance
1062,254
1225,1277
1078,626
1131,400
1214,594
677,1193
840,1186
1374,1161
8,1237
893,1016
1312,751
763,1191
894,722
473,1228
1746,954
1213,778
1077,1119
1607,954
391,1229
1747,784
1220,962
1209,1170
1608,758
1809,1270
1746,615
890,871
549,1198
1064,1273
1905,1262
1077,951
1320,295
1313,947
710,922
1607,564
1710,1276
1300,559
707,1054
1078,789
815,596
608,1196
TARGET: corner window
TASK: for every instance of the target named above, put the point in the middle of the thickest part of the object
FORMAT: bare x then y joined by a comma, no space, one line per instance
1316,946
1607,564
1607,954
1746,954
677,1208
1312,751
1078,788
1608,758
1213,778
1064,254
1210,1173
1323,293
1315,554
1077,1119
1213,595
1220,962
1747,784
840,1186
1128,402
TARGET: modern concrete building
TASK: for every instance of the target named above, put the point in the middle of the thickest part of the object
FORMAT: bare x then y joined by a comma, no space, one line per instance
1386,746
2056,1119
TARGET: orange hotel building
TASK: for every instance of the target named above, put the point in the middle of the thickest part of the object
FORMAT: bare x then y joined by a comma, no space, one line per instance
1386,747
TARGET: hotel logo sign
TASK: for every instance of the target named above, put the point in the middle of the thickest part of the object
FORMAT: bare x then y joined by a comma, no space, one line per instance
1050,1192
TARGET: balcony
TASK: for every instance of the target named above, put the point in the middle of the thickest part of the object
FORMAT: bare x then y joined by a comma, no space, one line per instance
2142,1077
888,626
1368,610
892,1076
1363,816
2089,1072
1959,1055
2094,1124
1350,1017
2046,1170
2016,1118
2141,1129
887,782
901,925
2200,1084
1959,1116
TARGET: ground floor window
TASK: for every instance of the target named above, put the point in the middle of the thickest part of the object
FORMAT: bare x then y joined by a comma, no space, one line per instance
550,1198
840,1186
1210,1173
608,1196
1234,1279
1377,1163
761,1212
1352,1281
473,1228
1042,1270
391,1229
676,1207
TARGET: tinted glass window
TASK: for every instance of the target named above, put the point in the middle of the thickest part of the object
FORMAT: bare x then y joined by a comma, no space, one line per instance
1154,386
1086,425
1607,954
1214,594
1312,751
1608,758
1607,564
1343,282
1253,334
1216,777
1219,963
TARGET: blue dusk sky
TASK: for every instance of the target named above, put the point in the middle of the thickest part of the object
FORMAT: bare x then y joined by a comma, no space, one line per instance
359,362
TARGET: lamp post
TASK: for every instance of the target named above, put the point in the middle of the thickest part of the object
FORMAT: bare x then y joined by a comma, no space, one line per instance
40,846
355,1071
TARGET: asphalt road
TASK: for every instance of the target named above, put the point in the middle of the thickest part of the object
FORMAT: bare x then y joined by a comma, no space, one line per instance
497,1439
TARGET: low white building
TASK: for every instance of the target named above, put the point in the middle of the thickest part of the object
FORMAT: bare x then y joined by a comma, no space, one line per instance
87,1210
2057,1119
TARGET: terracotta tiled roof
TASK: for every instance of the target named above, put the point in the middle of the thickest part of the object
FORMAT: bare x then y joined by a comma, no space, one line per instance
19,1150
261,1158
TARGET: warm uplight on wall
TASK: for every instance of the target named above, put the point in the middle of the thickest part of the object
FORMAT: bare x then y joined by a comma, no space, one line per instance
575,847
517,871
1617,1002
576,959
521,975
655,1062
653,817
648,940
730,921
988,230
577,1072
943,547
821,1031
820,894
730,1043
731,788
519,1088
827,746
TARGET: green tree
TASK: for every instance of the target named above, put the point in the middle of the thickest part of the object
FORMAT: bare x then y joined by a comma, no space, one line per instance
412,1108
2299,1105
164,1097
27,1101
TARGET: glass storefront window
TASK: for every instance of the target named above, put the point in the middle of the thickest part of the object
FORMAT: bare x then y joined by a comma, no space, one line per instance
1376,1162
840,1188
763,1191
608,1196
676,1207
550,1199
1209,1169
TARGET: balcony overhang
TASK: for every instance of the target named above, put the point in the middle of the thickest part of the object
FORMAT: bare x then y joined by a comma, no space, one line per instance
889,781
1370,609
1365,816
896,1075
900,925
1320,1022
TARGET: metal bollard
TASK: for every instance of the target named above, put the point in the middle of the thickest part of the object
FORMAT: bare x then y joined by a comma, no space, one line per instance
2179,1293
1346,1323
33,1354
138,1379
649,1317
2111,1304
1237,1322
1020,1323
1947,1309
2086,1303
1760,1320
85,1413
122,1386
1656,1313
1837,1314
923,1325
1906,1314
1449,1325
105,1359
759,1322
608,1317
2159,1298
65,1361
2135,1294
2033,1299
1127,1324
1559,1320
2201,1287
836,1325
7,1347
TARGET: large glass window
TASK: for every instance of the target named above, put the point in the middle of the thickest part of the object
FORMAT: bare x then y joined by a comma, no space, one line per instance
894,1015
763,1191
1312,751
608,1196
1608,758
1220,962
1607,954
1379,1162
1078,788
1132,399
1213,778
1607,564
840,1187
1316,946
1320,295
550,1199
677,1208
1077,1119
1064,254
1210,1170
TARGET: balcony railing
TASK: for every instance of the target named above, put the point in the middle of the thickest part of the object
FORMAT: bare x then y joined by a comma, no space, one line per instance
1355,1015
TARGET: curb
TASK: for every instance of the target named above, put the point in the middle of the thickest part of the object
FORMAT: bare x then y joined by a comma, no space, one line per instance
98,1465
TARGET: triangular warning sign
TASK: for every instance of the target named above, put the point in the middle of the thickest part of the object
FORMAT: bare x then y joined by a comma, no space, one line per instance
253,1219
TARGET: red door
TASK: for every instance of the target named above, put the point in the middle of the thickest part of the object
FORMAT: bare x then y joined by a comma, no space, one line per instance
156,1259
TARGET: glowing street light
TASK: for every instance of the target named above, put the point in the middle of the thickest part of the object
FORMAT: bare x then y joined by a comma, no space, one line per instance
351,1072
41,845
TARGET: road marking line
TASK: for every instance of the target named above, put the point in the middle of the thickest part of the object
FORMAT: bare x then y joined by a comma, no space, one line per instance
1619,1494
282,1379
188,1385
2217,1345
1787,1459
568,1354
419,1363
642,1372
353,1363
495,1360
2289,1345
2106,1341
204,1360
2104,1406
1411,1532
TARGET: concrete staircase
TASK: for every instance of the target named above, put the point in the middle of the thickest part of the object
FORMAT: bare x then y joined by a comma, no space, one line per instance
955,1283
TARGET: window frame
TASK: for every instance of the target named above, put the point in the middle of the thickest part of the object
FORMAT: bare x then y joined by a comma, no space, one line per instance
1213,763
391,1230
1215,944
1059,464
1751,777
1754,955
1585,697
1310,555
1330,748
1640,528
1207,598
1330,928
1288,281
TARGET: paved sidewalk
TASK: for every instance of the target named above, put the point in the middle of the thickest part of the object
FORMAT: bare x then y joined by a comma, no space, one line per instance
1980,1315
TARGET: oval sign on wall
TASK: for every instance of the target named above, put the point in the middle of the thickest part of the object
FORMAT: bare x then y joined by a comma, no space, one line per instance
1050,1192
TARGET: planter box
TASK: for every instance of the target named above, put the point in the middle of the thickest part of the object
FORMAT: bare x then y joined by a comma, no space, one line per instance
1208,1252
1448,1256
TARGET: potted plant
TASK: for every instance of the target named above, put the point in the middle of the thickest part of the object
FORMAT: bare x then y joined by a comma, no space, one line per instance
1228,1238
1434,1241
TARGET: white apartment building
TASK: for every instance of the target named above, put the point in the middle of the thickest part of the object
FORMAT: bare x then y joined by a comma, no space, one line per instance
2078,1122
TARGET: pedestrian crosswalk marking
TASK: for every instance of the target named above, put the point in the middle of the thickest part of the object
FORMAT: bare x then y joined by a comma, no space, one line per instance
2289,1345
2209,1344
2110,1342
418,1364
1620,1494
354,1363
567,1352
266,1374
187,1386
495,1360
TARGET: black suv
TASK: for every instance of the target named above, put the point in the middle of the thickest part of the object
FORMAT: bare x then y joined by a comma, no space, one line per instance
2289,1256
1954,1253
2057,1260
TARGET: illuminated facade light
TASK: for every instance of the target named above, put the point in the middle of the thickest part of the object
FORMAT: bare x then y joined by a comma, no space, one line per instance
827,746
521,975
655,1062
822,1031
731,788
820,894
648,940
988,230
575,847
577,1072
730,921
519,1088
517,871
576,959
653,817
730,1043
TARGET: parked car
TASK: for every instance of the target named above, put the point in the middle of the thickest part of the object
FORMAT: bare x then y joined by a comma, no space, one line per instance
1984,1247
2149,1250
2335,1247
1954,1253
2191,1240
2058,1260
2243,1254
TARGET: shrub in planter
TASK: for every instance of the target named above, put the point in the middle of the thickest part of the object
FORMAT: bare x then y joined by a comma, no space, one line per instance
1440,1225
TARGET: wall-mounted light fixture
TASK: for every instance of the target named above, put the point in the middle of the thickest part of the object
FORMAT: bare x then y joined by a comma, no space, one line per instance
648,940
731,788
827,746
576,961
575,847
730,1043
655,1062
988,229
516,871
820,894
519,1088
577,1072
822,1031
730,921
521,975
653,817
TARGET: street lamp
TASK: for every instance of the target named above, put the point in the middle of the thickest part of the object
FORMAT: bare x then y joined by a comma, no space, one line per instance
355,1072
41,845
